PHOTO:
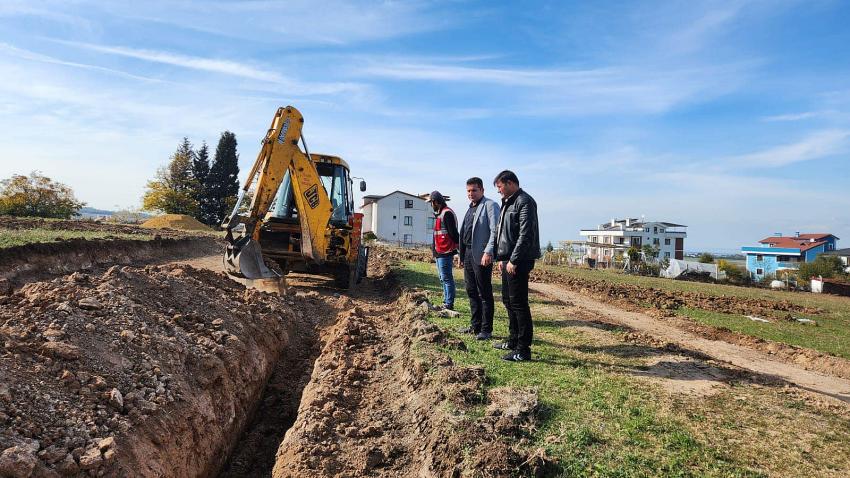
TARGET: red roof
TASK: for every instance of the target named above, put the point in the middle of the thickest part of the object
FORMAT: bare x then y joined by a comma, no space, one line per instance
803,242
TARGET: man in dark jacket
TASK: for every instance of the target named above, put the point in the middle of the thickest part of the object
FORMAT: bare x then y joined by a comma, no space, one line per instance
517,246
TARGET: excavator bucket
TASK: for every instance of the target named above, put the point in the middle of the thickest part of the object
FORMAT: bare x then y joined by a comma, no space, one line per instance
244,258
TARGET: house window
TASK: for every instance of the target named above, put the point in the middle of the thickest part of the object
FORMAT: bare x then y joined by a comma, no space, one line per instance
408,220
655,230
395,217
656,241
667,255
759,271
667,241
408,203
759,257
830,247
782,258
429,222
408,238
646,229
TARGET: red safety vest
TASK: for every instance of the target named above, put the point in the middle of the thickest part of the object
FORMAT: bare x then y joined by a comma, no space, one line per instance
443,243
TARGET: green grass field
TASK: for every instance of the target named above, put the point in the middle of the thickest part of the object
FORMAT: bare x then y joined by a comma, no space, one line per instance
831,335
20,237
599,420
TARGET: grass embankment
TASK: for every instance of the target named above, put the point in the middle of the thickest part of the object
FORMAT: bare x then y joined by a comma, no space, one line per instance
599,419
20,237
831,335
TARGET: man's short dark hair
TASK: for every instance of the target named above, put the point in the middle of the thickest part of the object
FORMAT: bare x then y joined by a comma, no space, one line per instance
505,176
476,181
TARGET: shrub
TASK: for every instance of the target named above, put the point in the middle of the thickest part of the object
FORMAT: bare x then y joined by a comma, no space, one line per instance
370,236
706,258
734,274
824,266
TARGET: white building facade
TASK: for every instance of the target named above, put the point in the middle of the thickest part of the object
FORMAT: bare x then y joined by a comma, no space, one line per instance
398,217
611,240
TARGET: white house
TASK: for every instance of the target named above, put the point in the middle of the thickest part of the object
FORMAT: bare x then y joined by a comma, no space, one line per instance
613,239
398,217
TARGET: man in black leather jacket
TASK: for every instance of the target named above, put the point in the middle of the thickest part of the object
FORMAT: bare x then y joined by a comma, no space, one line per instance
517,246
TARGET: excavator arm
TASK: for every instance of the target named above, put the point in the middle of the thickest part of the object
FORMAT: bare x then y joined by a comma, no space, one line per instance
279,153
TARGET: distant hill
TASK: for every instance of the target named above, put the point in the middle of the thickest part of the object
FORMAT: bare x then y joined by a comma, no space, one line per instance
92,212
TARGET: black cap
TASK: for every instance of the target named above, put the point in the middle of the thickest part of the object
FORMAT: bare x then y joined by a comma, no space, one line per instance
436,196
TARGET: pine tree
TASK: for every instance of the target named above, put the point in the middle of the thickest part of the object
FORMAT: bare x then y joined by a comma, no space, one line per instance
173,189
201,173
223,179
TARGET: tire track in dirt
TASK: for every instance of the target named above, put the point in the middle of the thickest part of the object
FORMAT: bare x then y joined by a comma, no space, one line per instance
743,357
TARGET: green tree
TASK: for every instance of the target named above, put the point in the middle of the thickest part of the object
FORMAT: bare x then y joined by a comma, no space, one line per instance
201,174
634,254
37,195
223,180
650,251
706,258
174,189
824,266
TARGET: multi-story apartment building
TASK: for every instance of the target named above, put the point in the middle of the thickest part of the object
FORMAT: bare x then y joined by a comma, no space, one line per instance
611,240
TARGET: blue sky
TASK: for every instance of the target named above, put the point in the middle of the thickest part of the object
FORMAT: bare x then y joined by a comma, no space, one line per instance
732,117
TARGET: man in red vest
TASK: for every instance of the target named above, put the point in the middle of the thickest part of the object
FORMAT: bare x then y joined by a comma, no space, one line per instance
444,246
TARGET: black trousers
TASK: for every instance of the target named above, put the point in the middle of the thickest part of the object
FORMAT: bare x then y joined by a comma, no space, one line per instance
515,298
479,287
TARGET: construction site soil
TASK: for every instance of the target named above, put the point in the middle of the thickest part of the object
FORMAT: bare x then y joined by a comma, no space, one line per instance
664,305
173,370
44,260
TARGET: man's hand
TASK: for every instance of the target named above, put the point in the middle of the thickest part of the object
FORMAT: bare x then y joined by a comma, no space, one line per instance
486,259
511,268
499,265
458,261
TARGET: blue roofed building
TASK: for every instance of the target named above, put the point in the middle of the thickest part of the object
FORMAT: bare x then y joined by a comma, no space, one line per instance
778,253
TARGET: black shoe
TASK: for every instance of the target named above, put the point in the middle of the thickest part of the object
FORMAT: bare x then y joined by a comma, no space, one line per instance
503,346
448,307
483,336
467,330
517,357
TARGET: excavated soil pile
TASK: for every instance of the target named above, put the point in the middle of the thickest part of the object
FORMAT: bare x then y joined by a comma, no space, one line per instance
142,372
401,253
383,401
176,221
667,302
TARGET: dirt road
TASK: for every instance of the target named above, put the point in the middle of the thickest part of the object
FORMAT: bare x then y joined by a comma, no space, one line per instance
746,358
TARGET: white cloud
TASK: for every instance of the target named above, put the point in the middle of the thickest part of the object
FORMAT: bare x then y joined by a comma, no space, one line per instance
795,116
815,146
226,67
33,56
626,88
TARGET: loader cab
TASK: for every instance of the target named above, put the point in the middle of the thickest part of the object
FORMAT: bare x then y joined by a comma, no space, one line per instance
334,174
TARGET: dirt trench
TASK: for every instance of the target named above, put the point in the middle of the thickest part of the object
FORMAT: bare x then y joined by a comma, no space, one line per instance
33,262
177,370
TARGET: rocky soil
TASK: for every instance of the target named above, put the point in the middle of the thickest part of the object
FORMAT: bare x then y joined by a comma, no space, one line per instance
383,401
135,372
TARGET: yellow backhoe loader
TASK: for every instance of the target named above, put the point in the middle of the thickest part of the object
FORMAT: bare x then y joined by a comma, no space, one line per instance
301,215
